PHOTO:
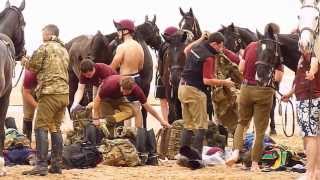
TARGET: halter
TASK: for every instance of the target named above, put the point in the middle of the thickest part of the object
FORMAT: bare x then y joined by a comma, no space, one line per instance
154,29
21,23
277,55
194,29
313,32
237,36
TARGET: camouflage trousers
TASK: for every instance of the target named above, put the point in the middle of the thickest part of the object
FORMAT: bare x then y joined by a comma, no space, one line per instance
50,111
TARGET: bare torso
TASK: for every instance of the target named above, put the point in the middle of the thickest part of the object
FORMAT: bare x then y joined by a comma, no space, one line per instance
132,57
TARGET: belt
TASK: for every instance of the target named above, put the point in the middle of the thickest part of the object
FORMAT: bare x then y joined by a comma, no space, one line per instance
133,75
183,82
248,83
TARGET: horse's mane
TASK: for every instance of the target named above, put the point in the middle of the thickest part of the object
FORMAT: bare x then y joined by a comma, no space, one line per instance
3,13
290,50
247,35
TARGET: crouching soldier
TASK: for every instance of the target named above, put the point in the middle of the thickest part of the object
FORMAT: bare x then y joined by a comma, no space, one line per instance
111,95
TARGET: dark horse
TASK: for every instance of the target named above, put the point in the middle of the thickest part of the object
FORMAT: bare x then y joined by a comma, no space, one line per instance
11,48
190,23
273,50
237,38
173,63
101,48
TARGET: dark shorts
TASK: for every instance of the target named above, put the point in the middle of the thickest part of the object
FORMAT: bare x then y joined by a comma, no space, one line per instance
160,90
138,81
308,117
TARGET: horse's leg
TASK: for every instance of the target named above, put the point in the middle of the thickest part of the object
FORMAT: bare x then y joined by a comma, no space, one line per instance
146,90
73,86
4,104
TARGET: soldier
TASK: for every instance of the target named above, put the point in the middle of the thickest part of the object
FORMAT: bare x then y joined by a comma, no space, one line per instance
91,74
196,75
254,102
29,102
50,63
111,95
160,89
129,57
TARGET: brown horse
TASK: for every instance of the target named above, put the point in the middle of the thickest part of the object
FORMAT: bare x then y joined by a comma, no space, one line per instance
172,67
11,48
101,49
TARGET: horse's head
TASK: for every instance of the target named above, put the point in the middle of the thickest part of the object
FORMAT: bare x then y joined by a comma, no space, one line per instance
150,32
100,47
190,23
268,56
308,24
175,57
233,40
12,24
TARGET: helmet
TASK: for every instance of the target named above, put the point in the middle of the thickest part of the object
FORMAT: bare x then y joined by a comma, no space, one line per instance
124,24
169,31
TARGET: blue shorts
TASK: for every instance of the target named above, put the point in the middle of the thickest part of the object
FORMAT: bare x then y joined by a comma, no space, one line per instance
308,117
138,81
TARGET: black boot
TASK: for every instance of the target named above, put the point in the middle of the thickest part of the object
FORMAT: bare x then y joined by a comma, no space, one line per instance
56,153
141,144
152,149
198,140
27,128
186,137
10,123
90,134
41,168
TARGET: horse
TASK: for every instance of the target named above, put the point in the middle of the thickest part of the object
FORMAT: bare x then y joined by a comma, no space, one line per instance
237,38
101,48
81,47
190,24
308,24
11,48
275,49
173,63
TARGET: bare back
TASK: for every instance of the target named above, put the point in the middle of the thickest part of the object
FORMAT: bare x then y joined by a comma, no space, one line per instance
129,57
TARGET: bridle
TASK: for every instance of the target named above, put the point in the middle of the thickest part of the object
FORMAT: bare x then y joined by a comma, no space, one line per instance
277,55
21,23
194,30
314,32
238,41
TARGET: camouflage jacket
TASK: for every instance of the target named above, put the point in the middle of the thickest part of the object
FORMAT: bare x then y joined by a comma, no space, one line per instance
50,62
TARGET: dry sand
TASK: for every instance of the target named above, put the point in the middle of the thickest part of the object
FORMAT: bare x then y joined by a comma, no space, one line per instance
168,170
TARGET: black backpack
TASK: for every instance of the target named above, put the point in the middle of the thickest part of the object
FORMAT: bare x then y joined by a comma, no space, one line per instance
81,155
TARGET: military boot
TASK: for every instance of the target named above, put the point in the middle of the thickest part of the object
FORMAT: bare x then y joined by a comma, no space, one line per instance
186,137
152,148
141,145
41,168
10,123
27,128
198,140
90,134
56,153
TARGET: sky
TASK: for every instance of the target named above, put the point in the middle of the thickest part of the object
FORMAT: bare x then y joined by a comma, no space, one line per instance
77,17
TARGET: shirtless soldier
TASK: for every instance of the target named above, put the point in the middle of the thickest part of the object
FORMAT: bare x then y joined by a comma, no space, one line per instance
129,59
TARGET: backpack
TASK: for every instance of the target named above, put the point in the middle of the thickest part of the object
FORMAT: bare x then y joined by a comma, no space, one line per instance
119,152
81,155
168,140
14,139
